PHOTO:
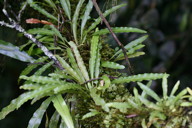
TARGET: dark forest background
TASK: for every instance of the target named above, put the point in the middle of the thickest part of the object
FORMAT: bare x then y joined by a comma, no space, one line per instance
168,48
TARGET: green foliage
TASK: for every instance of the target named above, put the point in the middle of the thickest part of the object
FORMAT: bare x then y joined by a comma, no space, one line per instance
41,10
38,114
62,108
140,77
119,30
85,92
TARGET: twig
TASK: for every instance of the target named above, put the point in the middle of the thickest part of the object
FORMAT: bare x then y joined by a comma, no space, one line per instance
14,25
21,11
114,36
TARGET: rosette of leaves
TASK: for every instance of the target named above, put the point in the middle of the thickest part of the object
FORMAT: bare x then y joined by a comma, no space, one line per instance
79,84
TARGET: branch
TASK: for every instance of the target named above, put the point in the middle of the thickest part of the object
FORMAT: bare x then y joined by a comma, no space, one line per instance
48,53
130,69
14,25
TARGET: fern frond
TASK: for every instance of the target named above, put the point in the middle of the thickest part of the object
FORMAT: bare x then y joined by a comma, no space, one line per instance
41,31
43,68
69,70
51,3
122,106
130,55
119,30
98,100
41,10
93,55
75,18
87,12
97,62
41,79
10,50
140,77
175,88
57,33
106,13
62,108
149,92
35,121
165,87
66,87
149,104
29,68
16,103
53,123
80,61
30,86
132,44
74,64
66,7
112,65
90,114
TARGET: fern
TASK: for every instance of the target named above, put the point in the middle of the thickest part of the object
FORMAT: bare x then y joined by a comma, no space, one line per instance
41,31
75,18
57,33
80,61
29,68
140,77
43,69
119,30
112,65
90,114
12,51
149,91
132,44
66,7
62,108
53,123
41,10
42,79
122,107
98,20
93,55
86,16
30,86
69,70
74,64
38,114
98,100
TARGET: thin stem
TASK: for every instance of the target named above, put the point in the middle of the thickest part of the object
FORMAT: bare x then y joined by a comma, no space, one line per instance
130,69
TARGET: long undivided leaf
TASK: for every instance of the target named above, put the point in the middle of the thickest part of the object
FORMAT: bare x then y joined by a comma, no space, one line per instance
86,15
112,65
54,120
63,110
132,44
119,30
106,13
93,55
13,51
79,59
140,77
149,91
69,70
41,10
75,19
35,121
66,7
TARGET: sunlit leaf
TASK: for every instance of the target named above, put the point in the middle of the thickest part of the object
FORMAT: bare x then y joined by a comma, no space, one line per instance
35,121
13,51
62,108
